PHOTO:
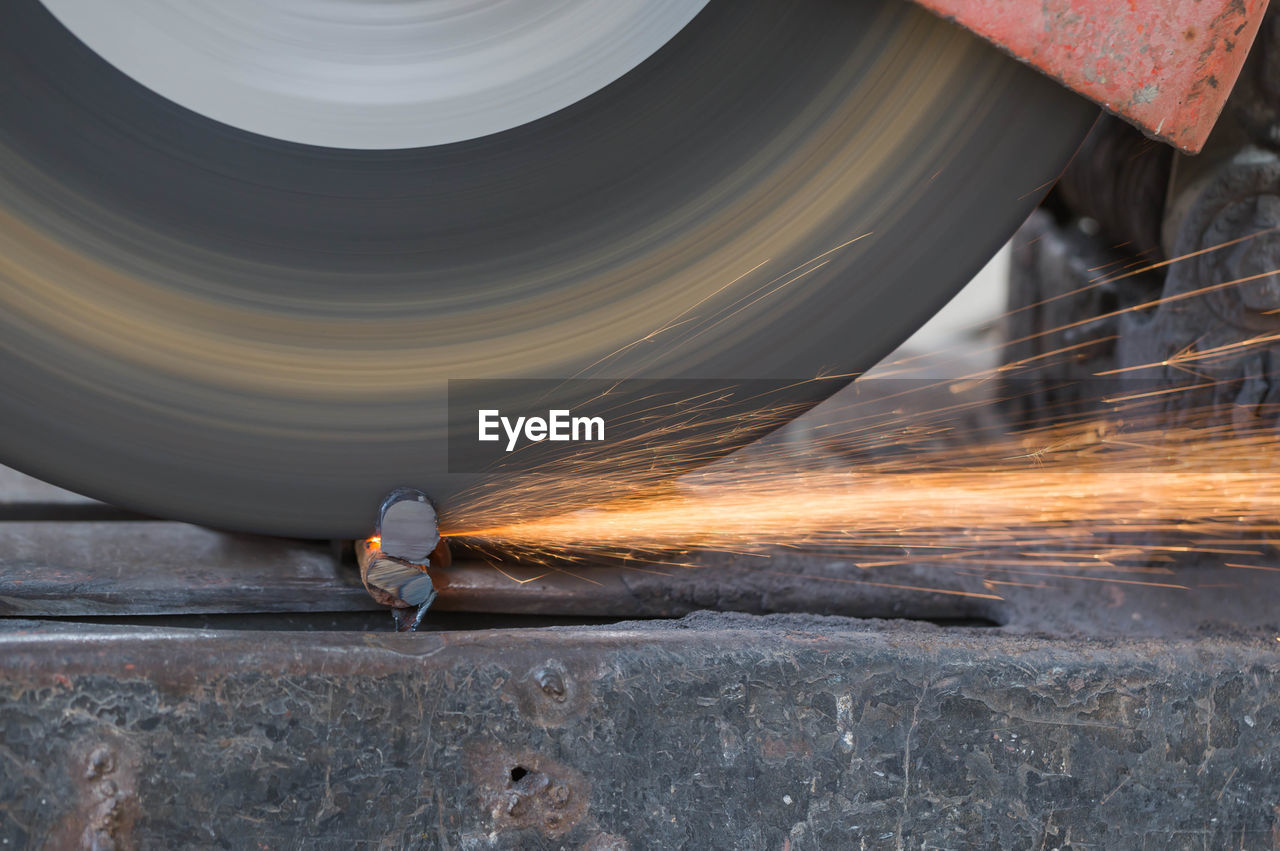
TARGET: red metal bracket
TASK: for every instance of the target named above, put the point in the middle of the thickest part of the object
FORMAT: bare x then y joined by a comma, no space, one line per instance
1166,66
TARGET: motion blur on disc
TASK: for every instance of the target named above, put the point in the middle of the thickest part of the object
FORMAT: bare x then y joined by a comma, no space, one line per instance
246,244
375,75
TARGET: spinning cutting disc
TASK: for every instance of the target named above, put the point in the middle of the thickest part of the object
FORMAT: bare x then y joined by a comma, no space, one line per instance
249,320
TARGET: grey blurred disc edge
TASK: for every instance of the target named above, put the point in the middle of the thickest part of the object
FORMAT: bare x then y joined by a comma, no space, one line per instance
103,176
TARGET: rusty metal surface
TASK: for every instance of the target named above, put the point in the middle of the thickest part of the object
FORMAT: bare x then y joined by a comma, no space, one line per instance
1165,65
719,732
94,570
143,568
135,570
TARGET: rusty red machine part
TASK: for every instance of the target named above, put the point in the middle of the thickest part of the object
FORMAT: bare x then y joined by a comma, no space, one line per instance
1166,66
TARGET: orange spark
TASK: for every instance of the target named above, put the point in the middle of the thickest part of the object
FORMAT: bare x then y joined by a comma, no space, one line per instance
1107,494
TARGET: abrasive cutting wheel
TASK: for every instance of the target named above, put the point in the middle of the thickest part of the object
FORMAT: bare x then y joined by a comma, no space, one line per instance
245,245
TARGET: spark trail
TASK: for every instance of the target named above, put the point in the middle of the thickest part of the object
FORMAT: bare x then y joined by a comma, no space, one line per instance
1090,495
1117,491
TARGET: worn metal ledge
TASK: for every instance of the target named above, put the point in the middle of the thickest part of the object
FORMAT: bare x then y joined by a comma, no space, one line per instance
717,731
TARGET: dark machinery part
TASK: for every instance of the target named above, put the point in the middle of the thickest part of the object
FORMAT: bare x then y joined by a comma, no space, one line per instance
1119,179
1218,218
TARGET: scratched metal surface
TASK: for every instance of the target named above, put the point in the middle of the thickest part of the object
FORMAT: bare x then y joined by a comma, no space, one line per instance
716,732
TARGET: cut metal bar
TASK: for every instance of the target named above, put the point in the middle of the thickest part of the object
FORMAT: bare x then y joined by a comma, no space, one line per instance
407,526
